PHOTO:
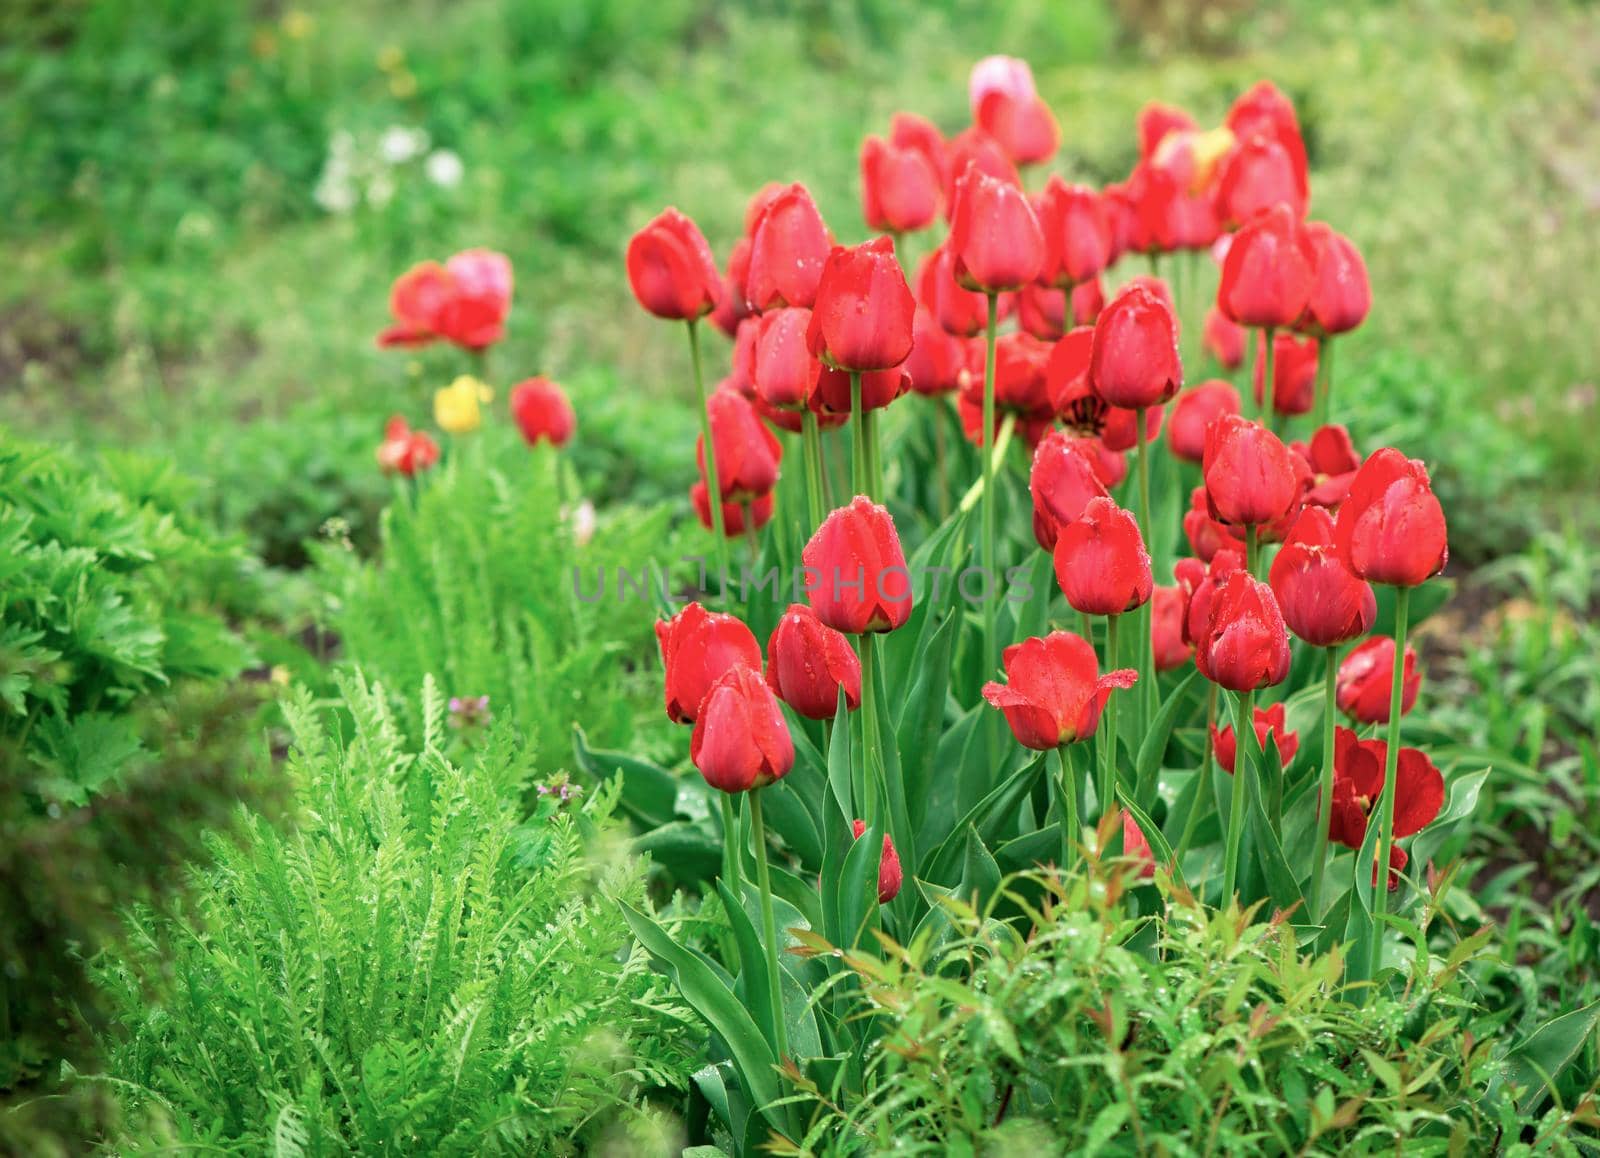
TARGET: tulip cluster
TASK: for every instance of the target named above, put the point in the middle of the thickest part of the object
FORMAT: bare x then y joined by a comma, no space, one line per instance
1022,322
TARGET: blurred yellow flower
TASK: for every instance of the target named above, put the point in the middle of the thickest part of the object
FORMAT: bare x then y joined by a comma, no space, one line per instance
297,25
1209,149
402,84
391,57
458,407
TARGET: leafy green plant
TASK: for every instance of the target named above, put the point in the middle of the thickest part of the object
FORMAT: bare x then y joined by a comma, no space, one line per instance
416,965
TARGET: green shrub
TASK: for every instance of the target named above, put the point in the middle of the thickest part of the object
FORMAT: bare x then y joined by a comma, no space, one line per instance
416,967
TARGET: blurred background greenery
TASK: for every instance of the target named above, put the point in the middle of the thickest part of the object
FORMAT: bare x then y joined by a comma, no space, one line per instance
205,204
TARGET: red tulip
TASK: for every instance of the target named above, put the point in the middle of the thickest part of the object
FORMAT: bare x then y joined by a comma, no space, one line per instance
1076,232
1251,477
1019,377
831,391
1166,216
1224,339
1270,271
974,148
788,247
994,234
740,740
1054,692
1294,372
1194,412
1024,126
1136,846
889,871
1122,215
856,574
748,453
900,189
1199,584
464,301
1341,295
1121,428
1333,462
808,663
784,369
697,648
733,523
415,301
1088,300
937,358
1042,312
733,307
1008,75
757,205
1245,645
1064,478
962,312
1101,561
1170,649
1206,536
1322,602
909,131
863,316
671,269
741,377
1260,173
1156,120
542,412
1265,110
1390,527
1366,681
1269,724
1358,780
1134,359
405,451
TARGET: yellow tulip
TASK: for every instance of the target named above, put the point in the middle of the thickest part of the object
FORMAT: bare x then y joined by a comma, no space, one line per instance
458,407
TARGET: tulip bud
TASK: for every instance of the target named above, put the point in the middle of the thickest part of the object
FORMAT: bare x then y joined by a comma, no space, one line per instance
1269,725
864,309
1156,120
1358,782
831,392
1121,428
936,360
1019,376
1194,412
1054,692
1266,111
1391,528
1251,477
1223,339
808,663
1245,645
473,315
962,313
748,453
1366,681
1341,295
1024,126
1205,535
1063,480
405,451
697,647
920,135
1167,644
542,412
1008,75
1322,602
1136,846
415,301
733,520
857,579
733,307
1294,372
784,369
1199,584
1332,459
900,188
788,248
1101,562
740,740
889,871
975,149
671,270
1269,272
1076,232
1087,301
994,234
1134,360
1259,174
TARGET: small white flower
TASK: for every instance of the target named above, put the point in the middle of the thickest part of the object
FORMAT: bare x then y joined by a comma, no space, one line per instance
400,144
380,190
583,522
334,192
445,169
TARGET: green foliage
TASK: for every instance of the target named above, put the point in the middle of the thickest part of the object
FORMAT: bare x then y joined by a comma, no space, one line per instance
1110,1032
480,585
416,966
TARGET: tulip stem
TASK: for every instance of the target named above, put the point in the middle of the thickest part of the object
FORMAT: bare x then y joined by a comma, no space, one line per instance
941,472
991,333
811,442
780,1032
1380,894
1203,790
1244,756
1108,783
713,485
732,870
870,764
1069,808
1002,443
751,537
1319,860
859,471
869,433
1147,654
1269,388
1252,548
